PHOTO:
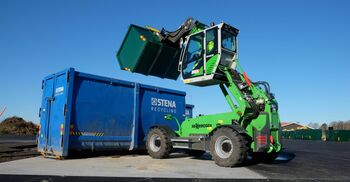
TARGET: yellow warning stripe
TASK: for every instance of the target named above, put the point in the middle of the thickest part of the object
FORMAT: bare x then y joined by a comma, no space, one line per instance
99,134
78,133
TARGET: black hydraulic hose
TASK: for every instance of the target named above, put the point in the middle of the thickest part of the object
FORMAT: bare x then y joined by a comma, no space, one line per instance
190,22
252,115
249,99
265,84
169,34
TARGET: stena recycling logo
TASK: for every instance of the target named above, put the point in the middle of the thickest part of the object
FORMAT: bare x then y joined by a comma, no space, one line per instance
163,105
154,101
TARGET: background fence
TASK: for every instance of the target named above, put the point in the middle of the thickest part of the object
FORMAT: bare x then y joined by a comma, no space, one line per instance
330,135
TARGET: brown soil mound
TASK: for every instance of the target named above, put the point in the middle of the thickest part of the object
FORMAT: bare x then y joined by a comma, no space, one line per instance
17,126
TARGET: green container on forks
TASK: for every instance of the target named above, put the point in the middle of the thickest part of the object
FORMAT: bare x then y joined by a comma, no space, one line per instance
143,52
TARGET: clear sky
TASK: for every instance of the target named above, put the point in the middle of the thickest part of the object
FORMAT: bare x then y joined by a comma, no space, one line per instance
300,47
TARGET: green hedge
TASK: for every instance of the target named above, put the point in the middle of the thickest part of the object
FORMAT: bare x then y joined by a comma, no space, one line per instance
331,135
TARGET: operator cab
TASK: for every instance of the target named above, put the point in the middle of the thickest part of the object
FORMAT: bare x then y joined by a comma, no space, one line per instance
204,51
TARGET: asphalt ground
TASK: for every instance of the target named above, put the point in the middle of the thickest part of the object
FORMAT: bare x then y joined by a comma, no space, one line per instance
299,161
17,147
309,160
17,138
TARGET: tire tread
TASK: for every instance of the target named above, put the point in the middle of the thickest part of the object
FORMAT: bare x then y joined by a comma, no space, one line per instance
237,158
166,144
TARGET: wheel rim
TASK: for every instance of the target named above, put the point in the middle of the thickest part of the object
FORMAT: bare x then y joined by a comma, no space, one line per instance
155,143
223,147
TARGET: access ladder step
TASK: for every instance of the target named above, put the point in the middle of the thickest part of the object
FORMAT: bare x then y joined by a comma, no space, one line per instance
194,143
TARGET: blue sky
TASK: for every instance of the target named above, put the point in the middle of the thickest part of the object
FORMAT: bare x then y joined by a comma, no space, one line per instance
300,47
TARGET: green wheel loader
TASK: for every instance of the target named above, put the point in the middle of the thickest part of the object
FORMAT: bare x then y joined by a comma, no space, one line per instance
206,55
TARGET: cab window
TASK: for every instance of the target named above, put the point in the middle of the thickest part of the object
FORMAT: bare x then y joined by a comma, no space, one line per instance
211,41
193,58
228,41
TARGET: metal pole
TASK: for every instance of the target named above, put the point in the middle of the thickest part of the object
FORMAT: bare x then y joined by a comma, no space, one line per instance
3,111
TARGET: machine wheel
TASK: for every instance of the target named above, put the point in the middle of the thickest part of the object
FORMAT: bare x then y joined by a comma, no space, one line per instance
228,147
158,143
195,153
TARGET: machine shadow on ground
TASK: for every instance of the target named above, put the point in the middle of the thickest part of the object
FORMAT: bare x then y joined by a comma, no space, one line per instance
283,157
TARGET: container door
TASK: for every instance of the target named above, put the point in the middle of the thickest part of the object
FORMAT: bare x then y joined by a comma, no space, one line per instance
44,112
53,114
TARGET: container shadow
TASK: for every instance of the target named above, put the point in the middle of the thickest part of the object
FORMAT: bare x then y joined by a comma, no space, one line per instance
112,153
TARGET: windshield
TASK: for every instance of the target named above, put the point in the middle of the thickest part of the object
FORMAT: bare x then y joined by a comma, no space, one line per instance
228,41
193,58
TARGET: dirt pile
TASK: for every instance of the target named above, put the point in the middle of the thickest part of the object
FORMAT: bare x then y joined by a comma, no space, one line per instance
17,126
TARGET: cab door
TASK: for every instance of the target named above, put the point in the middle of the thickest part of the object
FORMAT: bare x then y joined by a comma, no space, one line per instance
211,50
193,57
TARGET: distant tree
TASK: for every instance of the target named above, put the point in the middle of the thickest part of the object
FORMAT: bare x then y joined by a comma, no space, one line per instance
333,124
347,125
324,126
314,125
340,125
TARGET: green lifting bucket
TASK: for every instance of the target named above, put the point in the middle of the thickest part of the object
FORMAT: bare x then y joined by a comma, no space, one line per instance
142,52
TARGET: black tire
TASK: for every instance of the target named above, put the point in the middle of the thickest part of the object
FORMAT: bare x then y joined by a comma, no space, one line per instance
228,148
195,153
158,143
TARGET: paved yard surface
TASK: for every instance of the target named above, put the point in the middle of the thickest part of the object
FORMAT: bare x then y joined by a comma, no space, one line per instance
17,147
127,166
300,161
309,160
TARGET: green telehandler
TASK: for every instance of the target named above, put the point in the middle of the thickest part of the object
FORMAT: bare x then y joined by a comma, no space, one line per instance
206,55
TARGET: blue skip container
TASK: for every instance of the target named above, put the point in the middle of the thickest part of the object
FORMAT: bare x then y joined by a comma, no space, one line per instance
81,111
